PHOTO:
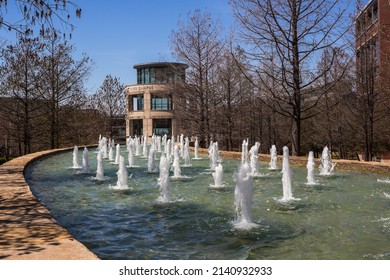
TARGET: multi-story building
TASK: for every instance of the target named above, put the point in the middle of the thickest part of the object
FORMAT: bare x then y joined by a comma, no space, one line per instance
150,104
373,70
373,41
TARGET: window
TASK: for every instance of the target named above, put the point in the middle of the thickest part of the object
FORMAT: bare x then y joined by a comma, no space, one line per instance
162,127
369,17
119,121
146,76
138,102
161,102
375,55
138,127
152,79
375,12
362,25
159,75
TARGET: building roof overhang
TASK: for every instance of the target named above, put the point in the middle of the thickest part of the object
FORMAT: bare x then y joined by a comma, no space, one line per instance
160,64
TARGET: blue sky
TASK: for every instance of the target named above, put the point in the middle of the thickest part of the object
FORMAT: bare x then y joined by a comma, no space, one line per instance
120,33
117,34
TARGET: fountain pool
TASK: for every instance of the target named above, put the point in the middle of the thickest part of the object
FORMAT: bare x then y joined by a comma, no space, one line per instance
345,216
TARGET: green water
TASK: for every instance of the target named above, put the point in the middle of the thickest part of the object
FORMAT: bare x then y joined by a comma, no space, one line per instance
345,216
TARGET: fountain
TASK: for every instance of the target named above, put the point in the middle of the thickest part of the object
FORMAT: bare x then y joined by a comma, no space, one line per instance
254,160
152,167
76,164
164,140
117,154
176,163
85,163
210,152
163,180
310,169
213,155
110,151
131,155
273,164
186,153
173,145
137,147
244,152
104,148
181,145
140,225
196,149
218,177
387,181
121,183
100,167
168,151
327,166
286,177
144,147
158,144
243,194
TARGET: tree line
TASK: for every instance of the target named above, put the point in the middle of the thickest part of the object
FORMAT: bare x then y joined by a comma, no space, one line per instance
287,75
44,104
43,100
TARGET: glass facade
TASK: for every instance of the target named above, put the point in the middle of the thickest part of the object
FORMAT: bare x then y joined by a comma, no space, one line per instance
162,127
161,102
159,75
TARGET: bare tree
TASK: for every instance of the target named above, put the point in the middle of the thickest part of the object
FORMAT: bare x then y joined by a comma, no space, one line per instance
239,114
332,122
229,94
46,14
197,43
64,80
111,100
288,36
20,81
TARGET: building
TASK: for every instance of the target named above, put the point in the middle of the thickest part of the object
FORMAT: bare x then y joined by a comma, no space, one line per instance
373,73
372,41
150,103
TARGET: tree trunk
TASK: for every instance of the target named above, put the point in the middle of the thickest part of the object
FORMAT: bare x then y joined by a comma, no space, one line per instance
296,136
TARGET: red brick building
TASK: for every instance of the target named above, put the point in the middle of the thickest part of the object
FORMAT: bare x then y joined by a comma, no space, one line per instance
373,39
373,72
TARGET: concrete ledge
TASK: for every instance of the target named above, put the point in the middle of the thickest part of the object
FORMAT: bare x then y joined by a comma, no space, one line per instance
27,229
364,166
